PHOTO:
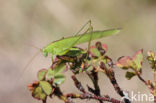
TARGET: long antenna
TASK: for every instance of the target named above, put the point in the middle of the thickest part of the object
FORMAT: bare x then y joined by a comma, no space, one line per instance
25,68
33,46
31,60
34,56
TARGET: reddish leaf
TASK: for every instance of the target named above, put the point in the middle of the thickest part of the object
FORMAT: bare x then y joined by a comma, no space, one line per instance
98,50
104,46
33,85
39,94
134,62
42,74
124,62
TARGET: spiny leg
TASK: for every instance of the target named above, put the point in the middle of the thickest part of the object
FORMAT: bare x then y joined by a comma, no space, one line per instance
88,22
90,31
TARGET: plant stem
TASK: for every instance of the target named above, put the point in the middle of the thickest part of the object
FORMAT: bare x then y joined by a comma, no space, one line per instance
90,96
60,95
94,77
111,75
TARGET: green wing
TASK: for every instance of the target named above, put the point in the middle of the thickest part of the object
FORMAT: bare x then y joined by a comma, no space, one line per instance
58,47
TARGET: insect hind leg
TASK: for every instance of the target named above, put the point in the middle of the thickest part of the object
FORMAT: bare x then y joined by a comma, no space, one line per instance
89,30
88,22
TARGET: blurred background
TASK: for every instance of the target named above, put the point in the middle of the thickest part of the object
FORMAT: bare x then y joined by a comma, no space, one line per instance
24,23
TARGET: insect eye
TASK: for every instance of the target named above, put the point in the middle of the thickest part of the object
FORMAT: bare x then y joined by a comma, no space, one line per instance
45,53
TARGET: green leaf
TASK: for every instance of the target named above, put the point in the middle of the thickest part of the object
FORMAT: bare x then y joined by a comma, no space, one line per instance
47,88
41,74
39,94
59,79
129,75
94,51
57,70
137,59
50,74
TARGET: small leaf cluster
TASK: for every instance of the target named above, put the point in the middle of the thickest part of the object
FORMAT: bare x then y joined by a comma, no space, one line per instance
134,63
48,79
77,60
152,59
